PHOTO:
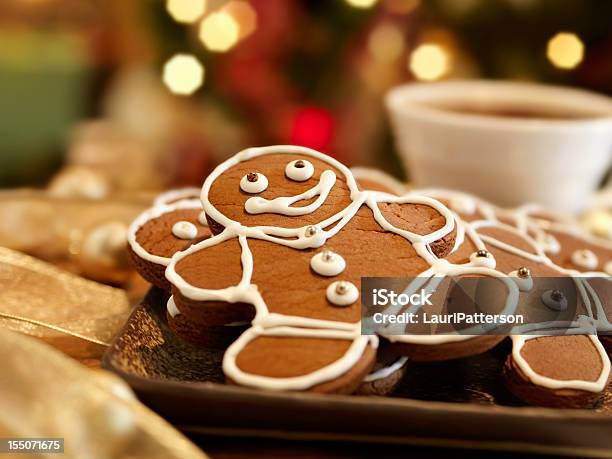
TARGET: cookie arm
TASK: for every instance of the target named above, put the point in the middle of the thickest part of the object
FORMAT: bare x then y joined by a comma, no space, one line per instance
211,281
414,216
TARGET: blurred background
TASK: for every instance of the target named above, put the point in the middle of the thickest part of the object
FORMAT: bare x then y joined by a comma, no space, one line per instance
149,94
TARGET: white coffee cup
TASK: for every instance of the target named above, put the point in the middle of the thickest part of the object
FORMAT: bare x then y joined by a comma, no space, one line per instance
556,160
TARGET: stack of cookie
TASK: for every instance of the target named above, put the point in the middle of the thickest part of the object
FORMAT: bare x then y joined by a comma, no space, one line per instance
268,263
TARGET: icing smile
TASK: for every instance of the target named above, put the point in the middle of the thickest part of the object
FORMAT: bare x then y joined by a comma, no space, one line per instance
283,205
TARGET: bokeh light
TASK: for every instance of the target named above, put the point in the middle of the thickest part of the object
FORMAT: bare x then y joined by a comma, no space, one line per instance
386,43
219,31
244,14
183,74
429,62
312,127
186,11
361,3
565,50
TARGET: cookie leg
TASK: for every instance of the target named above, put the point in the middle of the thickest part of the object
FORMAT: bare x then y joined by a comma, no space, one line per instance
558,371
293,359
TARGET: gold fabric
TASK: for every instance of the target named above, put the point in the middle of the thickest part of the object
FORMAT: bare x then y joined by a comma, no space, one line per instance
76,315
45,394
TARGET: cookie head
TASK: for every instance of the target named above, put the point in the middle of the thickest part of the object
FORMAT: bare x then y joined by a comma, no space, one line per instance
287,187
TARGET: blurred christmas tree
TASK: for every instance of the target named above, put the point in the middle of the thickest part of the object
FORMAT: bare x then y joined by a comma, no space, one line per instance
314,72
251,72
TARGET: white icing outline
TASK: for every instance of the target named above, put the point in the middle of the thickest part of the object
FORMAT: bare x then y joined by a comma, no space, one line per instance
381,178
179,194
386,371
283,204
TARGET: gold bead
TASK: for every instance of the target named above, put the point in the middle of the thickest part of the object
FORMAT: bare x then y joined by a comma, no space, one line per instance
523,272
482,253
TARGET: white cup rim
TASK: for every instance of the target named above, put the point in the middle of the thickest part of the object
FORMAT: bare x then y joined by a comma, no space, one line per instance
408,100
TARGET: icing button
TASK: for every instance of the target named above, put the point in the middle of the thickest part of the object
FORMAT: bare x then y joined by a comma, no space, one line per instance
202,218
184,230
299,170
327,263
555,299
253,182
585,259
523,279
549,243
483,258
342,293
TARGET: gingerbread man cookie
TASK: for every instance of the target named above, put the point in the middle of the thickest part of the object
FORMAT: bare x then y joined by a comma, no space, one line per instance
562,371
566,371
293,235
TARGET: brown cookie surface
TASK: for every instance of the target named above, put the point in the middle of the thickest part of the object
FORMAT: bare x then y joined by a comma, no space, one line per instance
558,371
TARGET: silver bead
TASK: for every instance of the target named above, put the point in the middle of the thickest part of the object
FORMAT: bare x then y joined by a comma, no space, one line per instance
311,231
299,164
327,255
252,177
342,287
557,295
482,253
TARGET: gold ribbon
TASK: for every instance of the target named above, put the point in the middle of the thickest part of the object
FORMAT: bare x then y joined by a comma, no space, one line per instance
77,315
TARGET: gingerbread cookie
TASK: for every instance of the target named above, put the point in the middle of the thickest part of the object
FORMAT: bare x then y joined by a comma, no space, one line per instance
558,371
565,371
171,225
571,247
293,235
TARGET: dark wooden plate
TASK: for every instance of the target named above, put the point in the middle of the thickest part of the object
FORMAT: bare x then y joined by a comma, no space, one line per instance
462,403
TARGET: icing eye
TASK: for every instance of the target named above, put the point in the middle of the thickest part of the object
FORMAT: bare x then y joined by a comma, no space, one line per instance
253,182
299,170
